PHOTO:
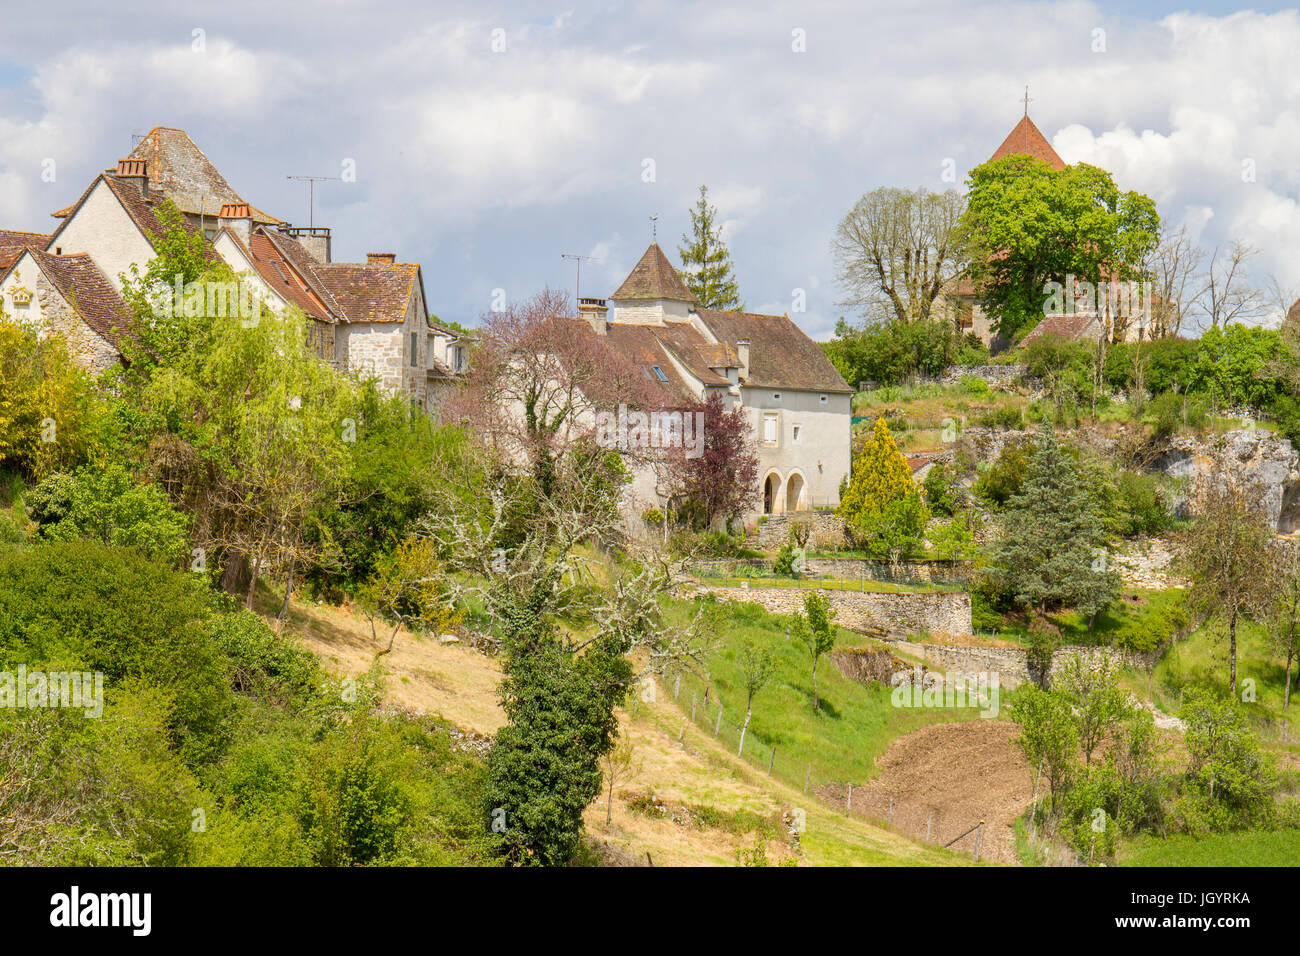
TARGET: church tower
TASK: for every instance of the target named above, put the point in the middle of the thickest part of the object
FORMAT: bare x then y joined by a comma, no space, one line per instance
653,293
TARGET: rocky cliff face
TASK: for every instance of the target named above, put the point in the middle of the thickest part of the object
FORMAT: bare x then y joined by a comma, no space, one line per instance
1265,462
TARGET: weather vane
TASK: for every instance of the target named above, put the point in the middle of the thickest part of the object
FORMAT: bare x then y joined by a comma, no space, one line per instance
654,228
1026,99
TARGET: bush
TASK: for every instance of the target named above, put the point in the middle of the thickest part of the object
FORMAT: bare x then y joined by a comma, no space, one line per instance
974,386
1170,413
1004,416
1141,505
1002,479
263,664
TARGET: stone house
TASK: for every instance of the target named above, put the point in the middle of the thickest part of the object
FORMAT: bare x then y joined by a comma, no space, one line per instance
367,317
798,406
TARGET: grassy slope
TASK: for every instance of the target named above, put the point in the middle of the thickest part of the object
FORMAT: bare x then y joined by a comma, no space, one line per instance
459,684
1253,848
842,741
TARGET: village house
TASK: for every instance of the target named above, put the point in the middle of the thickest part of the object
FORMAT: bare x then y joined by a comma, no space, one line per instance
797,404
366,317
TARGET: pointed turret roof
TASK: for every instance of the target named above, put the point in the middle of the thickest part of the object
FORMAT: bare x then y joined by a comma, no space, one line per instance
654,278
180,170
1027,140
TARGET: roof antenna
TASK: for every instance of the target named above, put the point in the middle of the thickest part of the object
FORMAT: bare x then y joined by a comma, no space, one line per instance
137,139
1027,99
311,193
577,290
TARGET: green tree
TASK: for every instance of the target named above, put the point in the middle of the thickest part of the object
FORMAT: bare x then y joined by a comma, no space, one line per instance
108,505
1048,737
1098,702
880,475
1227,554
1028,225
815,630
1283,608
1225,763
1051,552
757,668
706,262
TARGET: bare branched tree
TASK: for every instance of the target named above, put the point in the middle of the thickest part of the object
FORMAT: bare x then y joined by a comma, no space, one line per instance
1174,267
896,250
1226,294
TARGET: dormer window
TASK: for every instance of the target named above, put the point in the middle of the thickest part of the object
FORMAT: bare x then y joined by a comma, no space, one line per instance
659,374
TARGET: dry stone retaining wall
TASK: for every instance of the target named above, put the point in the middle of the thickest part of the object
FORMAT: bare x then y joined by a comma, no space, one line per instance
870,612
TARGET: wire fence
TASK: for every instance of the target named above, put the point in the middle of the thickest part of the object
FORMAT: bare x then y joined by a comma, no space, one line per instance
702,707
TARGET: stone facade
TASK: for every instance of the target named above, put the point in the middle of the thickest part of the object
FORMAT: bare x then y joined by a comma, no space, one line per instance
871,612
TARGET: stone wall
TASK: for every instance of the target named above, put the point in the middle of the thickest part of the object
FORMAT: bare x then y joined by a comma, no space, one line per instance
1010,663
827,530
993,374
921,572
870,612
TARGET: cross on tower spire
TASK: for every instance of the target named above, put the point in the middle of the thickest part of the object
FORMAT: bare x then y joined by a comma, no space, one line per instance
1027,99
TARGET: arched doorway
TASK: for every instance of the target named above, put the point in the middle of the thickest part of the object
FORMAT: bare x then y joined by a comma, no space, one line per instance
794,493
771,490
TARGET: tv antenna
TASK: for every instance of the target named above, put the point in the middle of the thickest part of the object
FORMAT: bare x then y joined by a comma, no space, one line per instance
311,192
578,260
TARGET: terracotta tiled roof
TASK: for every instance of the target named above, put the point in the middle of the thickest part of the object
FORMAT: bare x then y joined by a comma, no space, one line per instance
720,355
281,276
780,355
1068,325
643,346
12,239
1027,140
87,290
654,278
178,168
370,292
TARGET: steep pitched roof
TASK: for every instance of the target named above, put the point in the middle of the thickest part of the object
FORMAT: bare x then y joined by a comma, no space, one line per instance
87,290
1068,325
180,170
654,278
1027,140
370,292
780,355
643,346
280,276
140,208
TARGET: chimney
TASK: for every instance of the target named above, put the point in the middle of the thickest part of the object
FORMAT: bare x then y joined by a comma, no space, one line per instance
596,312
238,218
742,353
381,258
135,171
315,240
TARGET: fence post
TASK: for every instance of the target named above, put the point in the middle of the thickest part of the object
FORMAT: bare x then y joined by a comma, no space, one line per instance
848,807
677,686
979,832
694,696
681,733
806,777
634,706
928,822
718,725
770,761
890,817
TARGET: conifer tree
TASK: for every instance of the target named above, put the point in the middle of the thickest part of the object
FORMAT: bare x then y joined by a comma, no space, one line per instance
706,261
882,504
1050,554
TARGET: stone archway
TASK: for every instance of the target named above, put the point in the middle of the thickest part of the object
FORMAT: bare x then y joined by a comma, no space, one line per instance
771,494
794,493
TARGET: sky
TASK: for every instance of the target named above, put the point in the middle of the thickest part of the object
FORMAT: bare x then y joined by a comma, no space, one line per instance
490,139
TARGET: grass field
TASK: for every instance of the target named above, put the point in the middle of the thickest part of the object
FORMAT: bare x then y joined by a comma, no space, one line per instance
841,741
1251,848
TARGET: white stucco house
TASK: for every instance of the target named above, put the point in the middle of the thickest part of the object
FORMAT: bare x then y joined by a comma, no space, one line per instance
798,405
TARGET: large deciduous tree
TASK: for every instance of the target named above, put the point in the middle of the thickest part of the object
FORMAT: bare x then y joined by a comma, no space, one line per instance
1028,225
896,249
706,261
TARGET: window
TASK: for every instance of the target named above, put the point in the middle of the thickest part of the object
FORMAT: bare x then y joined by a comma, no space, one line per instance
659,373
776,396
415,349
769,429
794,432
822,399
